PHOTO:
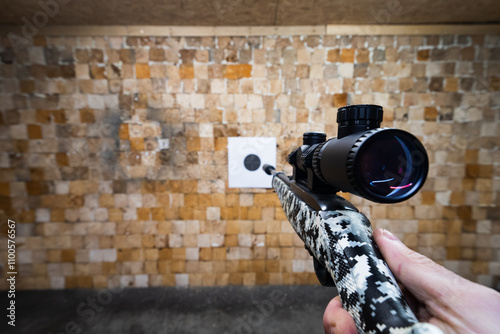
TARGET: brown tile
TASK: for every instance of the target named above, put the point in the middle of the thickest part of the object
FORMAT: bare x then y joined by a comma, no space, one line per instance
98,72
34,131
82,56
68,255
428,197
96,55
187,55
87,116
451,85
37,188
363,56
423,55
62,159
27,86
127,56
206,254
436,84
430,113
339,100
156,54
333,56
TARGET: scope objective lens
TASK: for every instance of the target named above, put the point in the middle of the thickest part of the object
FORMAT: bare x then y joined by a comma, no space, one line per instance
391,165
382,165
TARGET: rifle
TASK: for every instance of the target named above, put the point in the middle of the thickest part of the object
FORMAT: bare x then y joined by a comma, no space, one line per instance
384,165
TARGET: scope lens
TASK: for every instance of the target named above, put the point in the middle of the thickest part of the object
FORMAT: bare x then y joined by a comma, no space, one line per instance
391,164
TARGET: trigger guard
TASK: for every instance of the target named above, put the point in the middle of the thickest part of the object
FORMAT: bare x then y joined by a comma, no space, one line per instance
322,274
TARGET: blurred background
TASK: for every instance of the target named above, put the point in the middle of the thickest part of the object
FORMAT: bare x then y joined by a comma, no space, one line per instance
114,119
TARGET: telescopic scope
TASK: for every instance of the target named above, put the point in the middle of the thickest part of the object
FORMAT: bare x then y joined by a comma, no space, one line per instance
384,165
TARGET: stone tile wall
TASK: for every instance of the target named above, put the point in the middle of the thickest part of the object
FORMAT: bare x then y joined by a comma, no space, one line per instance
113,158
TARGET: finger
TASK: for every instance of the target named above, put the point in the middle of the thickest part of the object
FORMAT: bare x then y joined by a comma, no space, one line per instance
424,278
337,320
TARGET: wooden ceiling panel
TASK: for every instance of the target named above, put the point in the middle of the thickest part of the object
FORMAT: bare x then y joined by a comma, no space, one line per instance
299,12
255,12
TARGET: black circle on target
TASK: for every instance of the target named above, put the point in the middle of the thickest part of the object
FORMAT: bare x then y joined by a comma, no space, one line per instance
252,162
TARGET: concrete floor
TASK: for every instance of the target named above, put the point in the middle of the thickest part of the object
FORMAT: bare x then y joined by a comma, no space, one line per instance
241,310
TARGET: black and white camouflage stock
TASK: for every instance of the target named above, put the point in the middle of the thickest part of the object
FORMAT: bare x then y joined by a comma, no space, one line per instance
342,241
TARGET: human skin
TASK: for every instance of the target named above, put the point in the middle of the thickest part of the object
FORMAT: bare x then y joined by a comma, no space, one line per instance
436,295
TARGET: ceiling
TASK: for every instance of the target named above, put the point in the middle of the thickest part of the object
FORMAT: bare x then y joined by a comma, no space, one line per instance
252,12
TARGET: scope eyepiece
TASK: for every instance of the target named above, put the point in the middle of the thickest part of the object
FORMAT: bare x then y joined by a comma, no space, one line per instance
382,165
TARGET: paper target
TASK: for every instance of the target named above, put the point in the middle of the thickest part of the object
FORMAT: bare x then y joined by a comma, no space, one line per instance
246,156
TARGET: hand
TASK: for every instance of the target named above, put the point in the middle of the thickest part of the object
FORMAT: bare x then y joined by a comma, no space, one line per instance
435,294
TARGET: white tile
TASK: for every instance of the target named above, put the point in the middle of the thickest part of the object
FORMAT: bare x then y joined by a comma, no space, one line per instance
182,280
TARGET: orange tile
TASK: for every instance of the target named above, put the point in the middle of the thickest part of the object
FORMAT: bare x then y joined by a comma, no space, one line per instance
142,71
158,214
232,227
347,56
193,144
136,144
186,71
143,214
123,132
165,254
237,71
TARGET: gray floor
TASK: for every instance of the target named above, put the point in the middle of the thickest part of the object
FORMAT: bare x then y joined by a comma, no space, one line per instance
242,310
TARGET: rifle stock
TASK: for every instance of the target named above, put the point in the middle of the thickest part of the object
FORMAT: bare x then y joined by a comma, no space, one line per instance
339,237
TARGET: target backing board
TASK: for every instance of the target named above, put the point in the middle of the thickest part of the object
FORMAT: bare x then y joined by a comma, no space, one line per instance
246,156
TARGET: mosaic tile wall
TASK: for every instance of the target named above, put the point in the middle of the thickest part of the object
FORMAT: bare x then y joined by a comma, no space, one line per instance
113,158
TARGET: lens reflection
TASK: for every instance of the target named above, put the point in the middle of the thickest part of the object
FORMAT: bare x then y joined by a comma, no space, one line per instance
389,164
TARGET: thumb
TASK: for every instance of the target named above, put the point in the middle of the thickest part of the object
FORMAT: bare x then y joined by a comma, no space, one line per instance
424,278
338,320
